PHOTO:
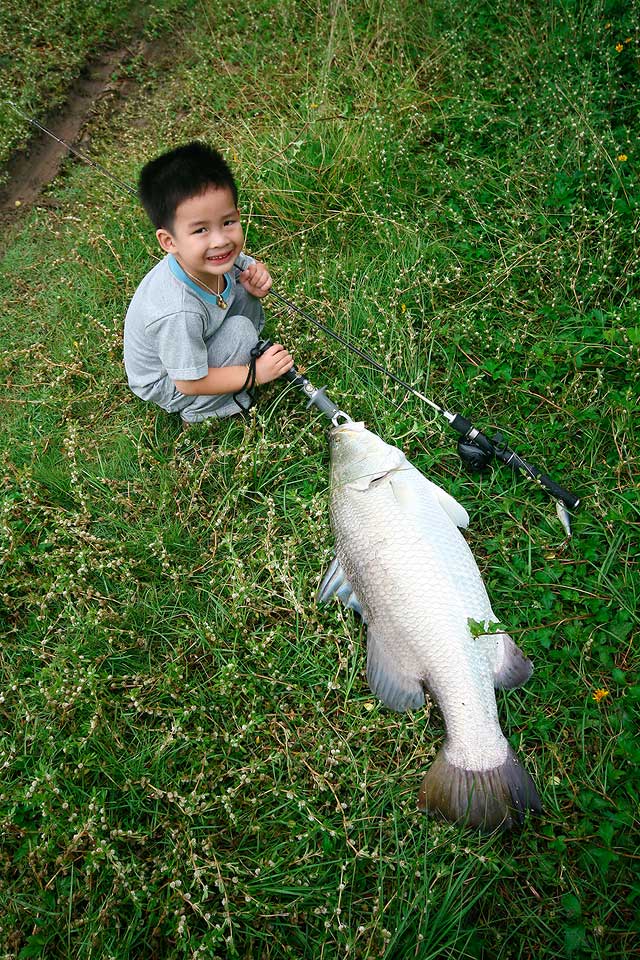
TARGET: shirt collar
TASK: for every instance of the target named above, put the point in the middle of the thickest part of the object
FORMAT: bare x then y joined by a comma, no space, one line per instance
180,274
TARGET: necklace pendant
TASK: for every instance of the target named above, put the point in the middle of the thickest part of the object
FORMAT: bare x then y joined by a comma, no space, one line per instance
222,303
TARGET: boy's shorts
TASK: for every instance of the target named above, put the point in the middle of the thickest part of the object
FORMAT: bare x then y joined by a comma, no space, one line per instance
230,345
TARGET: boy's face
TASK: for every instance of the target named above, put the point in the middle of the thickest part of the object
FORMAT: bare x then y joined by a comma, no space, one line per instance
206,236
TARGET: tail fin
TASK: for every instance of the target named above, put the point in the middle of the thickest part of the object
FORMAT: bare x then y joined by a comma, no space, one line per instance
488,799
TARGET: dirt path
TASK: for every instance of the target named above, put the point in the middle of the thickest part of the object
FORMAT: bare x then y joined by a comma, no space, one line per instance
31,170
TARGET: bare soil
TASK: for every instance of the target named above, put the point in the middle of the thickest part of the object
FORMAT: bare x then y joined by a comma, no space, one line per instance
30,170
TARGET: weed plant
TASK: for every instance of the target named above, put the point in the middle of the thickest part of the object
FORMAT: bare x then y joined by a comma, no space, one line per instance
45,47
192,763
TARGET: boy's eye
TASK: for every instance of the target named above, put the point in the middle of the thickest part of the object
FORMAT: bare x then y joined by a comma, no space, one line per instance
228,223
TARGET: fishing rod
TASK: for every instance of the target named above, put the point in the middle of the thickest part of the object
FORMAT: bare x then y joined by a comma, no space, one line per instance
475,449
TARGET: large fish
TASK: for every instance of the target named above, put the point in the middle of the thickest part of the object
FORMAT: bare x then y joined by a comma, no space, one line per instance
403,565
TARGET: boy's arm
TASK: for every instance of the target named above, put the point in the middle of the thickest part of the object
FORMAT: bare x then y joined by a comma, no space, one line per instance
218,380
272,364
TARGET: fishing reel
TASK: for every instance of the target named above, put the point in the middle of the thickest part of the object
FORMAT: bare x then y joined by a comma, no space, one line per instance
476,456
477,451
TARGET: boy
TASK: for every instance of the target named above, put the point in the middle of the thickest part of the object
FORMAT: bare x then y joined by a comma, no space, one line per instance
195,317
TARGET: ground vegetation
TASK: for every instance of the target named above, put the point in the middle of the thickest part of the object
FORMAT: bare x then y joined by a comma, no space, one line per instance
192,764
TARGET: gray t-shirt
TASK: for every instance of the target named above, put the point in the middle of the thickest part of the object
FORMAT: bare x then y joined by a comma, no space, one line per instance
168,328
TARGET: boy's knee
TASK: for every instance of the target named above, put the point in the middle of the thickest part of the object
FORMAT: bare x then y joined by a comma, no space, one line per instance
233,343
249,307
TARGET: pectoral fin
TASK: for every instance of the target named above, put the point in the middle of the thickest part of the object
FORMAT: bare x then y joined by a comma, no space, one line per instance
454,510
410,488
510,666
335,582
390,679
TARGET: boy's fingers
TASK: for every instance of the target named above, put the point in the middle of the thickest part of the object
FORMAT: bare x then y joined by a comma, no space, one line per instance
257,277
281,355
279,361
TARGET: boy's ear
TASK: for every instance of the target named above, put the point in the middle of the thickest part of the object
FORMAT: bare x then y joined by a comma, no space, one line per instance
165,240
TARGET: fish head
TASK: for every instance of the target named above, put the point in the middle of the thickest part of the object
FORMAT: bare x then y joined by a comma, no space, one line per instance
360,457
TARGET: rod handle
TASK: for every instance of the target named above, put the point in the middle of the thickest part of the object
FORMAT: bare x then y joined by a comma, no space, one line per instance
465,428
291,375
513,460
317,397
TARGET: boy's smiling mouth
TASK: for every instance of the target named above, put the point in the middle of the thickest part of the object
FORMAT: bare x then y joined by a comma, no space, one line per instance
220,257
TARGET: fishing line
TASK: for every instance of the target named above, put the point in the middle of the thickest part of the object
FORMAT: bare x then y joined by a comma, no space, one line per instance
360,353
329,331
74,150
475,449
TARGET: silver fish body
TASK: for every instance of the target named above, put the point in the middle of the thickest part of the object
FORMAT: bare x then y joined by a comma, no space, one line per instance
403,565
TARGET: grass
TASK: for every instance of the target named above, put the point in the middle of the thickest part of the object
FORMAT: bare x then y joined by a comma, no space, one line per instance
43,52
193,765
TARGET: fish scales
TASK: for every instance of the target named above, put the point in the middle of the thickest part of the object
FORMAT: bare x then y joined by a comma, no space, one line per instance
403,564
396,586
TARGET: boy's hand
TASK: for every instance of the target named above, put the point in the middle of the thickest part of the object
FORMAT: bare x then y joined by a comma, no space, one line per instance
256,279
273,363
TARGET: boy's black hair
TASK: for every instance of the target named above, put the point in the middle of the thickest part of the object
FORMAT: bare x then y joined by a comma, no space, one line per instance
176,176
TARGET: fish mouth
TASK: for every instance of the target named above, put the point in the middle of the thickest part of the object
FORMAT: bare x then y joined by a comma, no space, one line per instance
352,426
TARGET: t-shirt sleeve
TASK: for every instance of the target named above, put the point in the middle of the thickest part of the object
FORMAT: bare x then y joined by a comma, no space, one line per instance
179,340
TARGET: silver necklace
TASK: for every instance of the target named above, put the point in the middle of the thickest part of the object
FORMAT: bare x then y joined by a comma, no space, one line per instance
220,300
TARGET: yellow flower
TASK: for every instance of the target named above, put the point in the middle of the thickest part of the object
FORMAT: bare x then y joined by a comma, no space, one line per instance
403,307
600,694
622,157
628,40
619,47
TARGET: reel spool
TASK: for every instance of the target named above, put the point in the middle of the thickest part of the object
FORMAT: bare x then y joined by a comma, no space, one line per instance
474,458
